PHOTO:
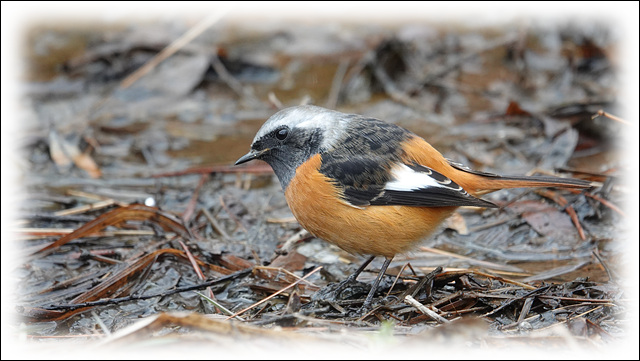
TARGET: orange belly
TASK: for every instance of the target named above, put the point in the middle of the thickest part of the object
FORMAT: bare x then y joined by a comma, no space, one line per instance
374,230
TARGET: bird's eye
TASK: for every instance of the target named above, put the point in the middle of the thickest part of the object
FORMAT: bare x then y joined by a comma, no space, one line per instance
282,133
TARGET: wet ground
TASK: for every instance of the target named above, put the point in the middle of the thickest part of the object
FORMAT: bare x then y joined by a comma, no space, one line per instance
132,203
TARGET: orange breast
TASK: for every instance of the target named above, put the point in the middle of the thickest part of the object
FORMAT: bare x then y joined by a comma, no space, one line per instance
374,230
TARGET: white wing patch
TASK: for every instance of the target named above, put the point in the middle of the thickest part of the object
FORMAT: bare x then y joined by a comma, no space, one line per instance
406,179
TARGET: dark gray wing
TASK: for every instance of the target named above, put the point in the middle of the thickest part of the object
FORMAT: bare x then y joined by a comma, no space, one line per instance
366,181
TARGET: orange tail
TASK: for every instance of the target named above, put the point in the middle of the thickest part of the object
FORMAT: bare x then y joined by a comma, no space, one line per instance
479,183
492,184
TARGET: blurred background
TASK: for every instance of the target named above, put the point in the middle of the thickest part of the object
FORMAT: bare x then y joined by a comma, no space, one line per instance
108,107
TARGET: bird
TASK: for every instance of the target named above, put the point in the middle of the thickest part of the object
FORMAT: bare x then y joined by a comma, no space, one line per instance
368,186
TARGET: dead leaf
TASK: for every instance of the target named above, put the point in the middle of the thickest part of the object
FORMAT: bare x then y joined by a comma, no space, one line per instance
552,223
136,212
514,109
293,261
63,152
57,152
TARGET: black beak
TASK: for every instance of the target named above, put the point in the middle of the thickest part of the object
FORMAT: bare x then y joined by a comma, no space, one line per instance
250,156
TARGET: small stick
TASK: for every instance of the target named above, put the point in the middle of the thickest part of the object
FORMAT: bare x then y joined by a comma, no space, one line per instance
172,48
334,92
86,208
422,308
562,201
302,234
196,268
233,216
604,265
284,270
601,200
602,113
275,294
113,301
214,223
188,213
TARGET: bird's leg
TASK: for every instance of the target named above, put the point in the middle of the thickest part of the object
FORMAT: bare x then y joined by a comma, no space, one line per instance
376,283
345,289
350,282
359,270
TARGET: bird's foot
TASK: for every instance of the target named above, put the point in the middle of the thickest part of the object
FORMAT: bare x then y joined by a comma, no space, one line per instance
345,290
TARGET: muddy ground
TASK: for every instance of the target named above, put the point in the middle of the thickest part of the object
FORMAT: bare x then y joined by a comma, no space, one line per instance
133,209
